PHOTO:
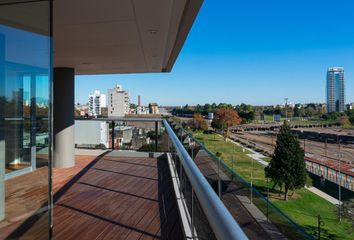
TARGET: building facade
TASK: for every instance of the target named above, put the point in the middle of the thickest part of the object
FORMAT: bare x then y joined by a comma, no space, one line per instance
118,102
335,90
153,108
96,137
96,101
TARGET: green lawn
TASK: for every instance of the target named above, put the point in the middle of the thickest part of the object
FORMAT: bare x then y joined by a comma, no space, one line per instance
302,207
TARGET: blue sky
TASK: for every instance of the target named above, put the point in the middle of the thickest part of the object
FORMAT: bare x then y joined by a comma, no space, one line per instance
253,51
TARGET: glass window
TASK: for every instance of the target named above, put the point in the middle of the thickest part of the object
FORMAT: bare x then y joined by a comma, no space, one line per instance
25,70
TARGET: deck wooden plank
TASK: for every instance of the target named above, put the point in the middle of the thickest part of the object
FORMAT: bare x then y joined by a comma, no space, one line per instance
124,194
113,198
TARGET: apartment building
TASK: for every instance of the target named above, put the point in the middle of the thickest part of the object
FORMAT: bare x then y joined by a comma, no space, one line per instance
96,101
153,108
118,102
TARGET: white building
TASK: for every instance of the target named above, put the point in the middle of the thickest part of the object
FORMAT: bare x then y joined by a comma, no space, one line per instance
96,137
118,102
95,102
142,110
153,108
103,101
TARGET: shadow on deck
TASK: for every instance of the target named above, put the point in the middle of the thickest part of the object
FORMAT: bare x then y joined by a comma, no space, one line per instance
113,197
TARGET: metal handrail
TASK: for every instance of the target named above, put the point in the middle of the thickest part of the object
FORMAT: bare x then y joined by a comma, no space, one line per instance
220,219
121,119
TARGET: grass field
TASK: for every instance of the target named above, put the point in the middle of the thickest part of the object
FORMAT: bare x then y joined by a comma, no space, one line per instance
302,207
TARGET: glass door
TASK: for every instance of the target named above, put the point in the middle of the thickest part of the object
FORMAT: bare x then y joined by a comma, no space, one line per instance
25,80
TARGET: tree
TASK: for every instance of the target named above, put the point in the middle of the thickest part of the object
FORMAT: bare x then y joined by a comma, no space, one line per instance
133,106
199,122
287,167
344,121
334,116
348,209
350,114
246,112
225,118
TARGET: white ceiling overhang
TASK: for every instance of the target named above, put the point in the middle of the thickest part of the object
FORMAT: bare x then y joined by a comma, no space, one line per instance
121,36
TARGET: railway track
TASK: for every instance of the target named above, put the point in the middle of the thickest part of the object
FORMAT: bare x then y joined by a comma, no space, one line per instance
329,151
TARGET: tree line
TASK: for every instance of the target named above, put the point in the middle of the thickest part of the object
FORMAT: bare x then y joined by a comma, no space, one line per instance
249,113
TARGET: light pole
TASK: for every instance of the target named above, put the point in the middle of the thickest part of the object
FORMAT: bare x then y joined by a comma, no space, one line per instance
233,153
286,109
252,181
339,181
267,199
326,147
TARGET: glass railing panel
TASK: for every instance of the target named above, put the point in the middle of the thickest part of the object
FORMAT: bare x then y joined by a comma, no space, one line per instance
233,189
145,136
198,219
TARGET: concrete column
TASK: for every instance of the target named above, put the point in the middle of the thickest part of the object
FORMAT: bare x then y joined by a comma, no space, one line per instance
63,114
2,125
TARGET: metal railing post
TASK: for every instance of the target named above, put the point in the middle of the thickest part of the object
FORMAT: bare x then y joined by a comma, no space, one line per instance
219,180
168,145
181,175
232,159
252,181
192,152
181,135
192,214
156,135
112,135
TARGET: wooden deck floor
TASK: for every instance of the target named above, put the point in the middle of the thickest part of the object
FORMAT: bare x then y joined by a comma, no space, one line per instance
27,196
114,198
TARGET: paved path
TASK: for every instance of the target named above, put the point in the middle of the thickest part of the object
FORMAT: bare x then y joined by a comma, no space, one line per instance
323,195
258,157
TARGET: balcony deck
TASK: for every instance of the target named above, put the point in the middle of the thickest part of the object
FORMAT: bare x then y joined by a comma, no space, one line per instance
113,197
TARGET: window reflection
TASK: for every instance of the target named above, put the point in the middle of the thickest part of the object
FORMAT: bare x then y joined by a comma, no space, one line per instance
24,119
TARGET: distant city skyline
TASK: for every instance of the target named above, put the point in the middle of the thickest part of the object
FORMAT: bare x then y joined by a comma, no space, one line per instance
256,52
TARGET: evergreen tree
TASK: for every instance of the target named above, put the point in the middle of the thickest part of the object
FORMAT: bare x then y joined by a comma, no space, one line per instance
287,167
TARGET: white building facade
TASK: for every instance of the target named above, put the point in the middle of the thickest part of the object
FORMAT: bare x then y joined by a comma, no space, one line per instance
95,102
96,137
118,102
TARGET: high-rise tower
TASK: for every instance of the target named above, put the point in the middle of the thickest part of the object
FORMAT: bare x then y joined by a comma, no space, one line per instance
335,89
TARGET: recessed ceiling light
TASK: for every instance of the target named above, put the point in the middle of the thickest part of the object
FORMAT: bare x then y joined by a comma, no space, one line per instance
153,31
